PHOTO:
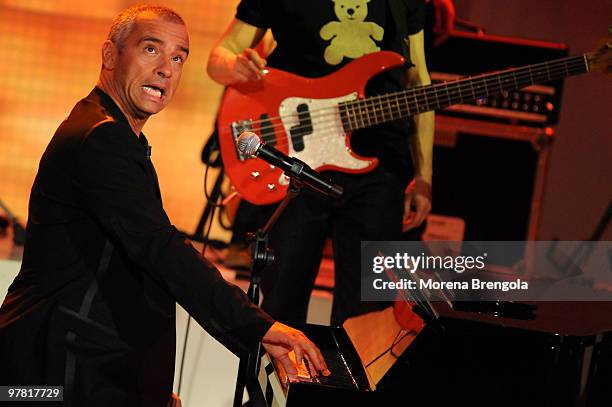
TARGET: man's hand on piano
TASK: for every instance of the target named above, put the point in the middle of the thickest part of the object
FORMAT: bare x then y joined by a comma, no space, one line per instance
282,339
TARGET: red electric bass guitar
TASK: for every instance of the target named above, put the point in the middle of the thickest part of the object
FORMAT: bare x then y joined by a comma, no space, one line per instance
312,119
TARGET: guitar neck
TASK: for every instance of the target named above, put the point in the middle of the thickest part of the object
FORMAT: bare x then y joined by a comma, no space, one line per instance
362,113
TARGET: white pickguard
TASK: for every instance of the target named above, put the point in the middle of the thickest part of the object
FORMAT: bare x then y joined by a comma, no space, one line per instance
327,143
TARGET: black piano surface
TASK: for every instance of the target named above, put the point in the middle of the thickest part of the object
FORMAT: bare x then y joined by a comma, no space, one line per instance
559,356
555,354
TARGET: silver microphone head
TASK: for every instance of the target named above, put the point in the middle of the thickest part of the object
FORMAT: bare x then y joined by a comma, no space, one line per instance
248,143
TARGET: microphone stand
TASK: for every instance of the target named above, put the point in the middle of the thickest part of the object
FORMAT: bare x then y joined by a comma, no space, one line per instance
263,256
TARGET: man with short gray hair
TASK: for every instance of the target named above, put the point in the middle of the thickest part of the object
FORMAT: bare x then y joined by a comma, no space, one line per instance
93,307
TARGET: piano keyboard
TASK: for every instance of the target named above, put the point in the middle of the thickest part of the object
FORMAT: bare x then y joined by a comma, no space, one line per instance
348,379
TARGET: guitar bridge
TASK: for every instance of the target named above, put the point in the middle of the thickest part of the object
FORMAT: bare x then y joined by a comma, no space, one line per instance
238,128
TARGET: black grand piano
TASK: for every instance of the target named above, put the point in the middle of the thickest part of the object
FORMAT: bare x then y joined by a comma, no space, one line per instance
476,354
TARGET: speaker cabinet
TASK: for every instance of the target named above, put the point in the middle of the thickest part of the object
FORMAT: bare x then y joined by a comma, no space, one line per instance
488,176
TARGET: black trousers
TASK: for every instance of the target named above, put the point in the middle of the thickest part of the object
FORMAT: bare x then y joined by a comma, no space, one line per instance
250,218
371,208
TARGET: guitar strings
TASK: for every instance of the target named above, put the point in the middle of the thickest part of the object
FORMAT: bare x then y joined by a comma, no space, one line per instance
349,120
454,89
346,121
462,84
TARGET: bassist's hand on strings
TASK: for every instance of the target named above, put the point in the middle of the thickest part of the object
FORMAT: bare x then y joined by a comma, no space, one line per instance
233,68
249,66
233,61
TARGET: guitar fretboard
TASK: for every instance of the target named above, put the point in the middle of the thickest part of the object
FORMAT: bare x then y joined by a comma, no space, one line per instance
361,113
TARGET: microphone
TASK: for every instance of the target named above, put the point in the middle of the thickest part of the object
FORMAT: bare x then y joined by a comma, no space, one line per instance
250,144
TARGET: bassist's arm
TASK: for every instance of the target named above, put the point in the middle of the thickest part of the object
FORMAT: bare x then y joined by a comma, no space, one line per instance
418,193
233,59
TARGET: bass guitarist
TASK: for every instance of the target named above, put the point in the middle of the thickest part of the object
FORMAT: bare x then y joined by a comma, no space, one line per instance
314,39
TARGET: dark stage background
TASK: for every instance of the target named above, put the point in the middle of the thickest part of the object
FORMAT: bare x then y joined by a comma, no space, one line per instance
51,58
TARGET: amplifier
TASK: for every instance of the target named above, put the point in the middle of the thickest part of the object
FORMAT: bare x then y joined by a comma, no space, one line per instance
465,54
488,181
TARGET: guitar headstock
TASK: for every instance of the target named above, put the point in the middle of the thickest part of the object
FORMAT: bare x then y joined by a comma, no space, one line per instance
601,59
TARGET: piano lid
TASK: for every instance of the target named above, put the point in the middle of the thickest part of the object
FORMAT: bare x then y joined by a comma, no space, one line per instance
565,318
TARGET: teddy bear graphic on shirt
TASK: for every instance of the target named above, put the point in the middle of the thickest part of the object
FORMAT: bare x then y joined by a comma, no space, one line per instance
352,36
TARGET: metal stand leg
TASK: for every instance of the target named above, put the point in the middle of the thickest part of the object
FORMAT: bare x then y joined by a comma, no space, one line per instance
263,256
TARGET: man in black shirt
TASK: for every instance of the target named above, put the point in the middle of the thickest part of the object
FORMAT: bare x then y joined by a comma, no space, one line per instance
314,39
93,307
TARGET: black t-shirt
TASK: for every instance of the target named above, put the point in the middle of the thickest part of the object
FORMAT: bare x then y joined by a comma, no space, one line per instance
311,42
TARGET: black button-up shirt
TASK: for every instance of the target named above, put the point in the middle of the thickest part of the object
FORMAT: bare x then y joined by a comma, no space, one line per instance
93,307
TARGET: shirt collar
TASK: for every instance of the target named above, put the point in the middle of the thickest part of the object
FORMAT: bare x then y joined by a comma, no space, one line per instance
109,105
115,112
